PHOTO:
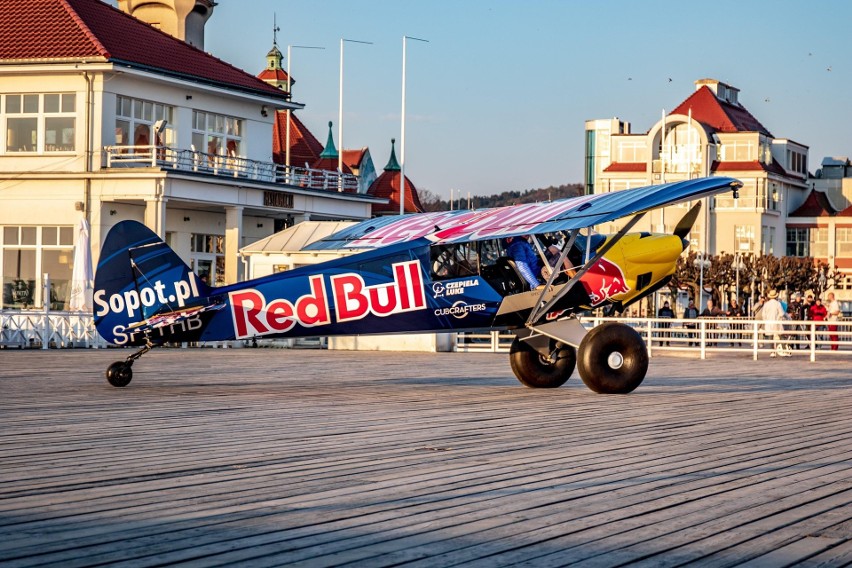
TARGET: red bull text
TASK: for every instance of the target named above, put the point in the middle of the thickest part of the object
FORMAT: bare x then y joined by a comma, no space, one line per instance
254,315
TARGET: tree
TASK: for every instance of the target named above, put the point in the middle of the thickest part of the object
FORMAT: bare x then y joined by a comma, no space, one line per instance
430,201
758,274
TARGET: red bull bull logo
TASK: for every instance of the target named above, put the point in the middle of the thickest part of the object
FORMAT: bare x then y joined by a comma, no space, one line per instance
604,280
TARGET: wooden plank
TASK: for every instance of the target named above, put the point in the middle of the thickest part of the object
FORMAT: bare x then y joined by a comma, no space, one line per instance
208,457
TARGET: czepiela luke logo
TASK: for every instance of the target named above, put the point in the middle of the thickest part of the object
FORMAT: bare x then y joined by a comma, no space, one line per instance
352,298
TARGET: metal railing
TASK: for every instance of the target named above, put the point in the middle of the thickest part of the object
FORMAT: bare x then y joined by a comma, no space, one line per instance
24,329
705,336
227,166
702,337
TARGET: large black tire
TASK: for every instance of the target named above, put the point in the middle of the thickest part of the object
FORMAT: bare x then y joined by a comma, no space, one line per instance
119,374
612,359
536,371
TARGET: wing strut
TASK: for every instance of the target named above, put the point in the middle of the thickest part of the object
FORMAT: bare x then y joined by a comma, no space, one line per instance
543,306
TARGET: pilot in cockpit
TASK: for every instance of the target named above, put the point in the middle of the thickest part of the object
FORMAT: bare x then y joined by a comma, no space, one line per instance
526,260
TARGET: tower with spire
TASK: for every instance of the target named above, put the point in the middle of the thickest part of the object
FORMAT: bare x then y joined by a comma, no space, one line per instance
388,184
274,72
328,158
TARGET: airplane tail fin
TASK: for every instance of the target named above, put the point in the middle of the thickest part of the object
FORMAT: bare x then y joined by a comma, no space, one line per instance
139,277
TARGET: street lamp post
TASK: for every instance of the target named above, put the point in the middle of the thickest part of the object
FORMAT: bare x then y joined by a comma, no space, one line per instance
701,263
290,95
738,266
402,134
340,108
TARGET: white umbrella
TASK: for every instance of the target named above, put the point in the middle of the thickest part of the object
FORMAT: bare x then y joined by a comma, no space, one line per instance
81,277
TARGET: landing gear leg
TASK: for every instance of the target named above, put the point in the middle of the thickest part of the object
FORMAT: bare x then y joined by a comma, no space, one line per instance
120,373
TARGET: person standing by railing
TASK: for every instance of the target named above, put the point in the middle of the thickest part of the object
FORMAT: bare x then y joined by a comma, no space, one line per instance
796,311
818,312
774,314
691,313
667,313
735,311
834,313
711,311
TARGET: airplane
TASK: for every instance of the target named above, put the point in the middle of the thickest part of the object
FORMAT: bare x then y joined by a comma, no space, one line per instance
426,272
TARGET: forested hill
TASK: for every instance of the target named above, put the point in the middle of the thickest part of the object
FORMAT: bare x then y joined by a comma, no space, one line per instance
432,203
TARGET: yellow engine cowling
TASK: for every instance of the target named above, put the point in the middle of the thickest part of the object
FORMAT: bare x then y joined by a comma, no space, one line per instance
632,267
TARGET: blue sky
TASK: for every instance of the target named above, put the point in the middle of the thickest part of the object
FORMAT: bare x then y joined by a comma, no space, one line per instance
498,97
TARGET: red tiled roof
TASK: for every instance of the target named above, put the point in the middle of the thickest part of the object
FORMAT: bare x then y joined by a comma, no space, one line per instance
627,167
56,30
353,158
719,115
748,166
277,75
329,164
387,185
846,212
816,205
304,147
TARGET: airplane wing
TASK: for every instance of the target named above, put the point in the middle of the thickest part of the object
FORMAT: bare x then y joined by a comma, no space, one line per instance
531,218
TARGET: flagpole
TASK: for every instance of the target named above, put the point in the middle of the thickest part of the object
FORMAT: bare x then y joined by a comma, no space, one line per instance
402,133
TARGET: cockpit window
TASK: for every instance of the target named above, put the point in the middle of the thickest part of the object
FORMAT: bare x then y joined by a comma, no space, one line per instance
454,260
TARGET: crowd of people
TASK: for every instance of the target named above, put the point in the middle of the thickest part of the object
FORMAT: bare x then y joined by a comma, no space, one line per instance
778,315
770,308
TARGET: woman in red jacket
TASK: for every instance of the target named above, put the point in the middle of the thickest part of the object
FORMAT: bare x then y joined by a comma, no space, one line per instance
818,312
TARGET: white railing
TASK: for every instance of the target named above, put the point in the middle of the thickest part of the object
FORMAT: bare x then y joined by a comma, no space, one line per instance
228,166
25,329
704,336
31,329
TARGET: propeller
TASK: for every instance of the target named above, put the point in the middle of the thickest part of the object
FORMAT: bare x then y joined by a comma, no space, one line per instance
687,221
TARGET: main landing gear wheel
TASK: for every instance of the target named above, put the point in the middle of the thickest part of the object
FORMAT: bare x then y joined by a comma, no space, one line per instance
539,372
613,359
119,374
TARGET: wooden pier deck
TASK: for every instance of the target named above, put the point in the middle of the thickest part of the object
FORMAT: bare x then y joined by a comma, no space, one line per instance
266,457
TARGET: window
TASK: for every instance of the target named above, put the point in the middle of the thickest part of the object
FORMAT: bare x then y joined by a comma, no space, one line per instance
738,151
207,258
843,240
454,261
798,241
216,134
631,151
39,123
797,162
744,238
28,253
819,242
135,120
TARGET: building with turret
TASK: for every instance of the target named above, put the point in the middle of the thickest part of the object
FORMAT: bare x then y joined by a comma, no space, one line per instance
294,144
107,118
388,185
710,133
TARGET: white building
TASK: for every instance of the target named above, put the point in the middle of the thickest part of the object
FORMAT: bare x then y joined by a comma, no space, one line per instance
108,118
709,133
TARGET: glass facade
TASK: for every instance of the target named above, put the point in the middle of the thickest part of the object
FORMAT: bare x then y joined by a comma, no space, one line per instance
27,254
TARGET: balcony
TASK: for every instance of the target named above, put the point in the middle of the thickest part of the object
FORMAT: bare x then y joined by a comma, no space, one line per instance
230,167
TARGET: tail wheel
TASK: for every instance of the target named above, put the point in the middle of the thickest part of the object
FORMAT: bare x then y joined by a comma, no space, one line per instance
536,371
613,359
119,374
